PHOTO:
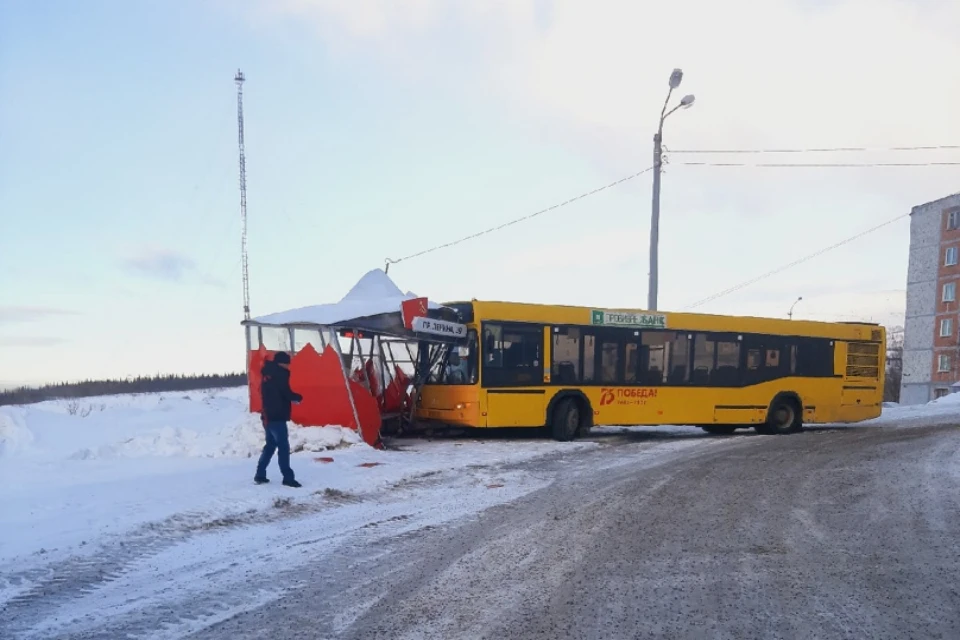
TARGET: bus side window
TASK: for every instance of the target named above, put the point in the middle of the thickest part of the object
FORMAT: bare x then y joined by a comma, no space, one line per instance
492,346
512,355
703,359
589,357
610,356
767,358
753,371
679,358
631,365
815,357
727,373
653,357
566,355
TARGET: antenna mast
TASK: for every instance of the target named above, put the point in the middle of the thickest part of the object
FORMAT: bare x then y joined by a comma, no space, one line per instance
239,78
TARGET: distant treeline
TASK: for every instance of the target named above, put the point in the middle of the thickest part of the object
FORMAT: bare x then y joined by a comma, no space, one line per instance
88,388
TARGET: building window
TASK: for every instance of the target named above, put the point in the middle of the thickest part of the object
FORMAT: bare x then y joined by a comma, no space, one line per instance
946,327
950,292
943,363
953,220
951,258
939,393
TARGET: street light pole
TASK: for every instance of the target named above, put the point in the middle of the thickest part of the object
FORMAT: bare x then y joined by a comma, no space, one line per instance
654,276
655,221
790,313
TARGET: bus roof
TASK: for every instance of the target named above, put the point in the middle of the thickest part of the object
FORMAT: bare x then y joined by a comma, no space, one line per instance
476,310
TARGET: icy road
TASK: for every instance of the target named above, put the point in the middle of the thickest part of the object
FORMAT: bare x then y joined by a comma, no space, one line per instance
833,533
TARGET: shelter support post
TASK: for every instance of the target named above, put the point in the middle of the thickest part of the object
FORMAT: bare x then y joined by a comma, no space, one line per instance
335,342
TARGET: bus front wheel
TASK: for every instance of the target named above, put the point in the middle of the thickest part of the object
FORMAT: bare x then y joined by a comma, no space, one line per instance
565,421
783,418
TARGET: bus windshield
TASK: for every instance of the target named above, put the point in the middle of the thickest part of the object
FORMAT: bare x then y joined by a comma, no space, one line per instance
458,365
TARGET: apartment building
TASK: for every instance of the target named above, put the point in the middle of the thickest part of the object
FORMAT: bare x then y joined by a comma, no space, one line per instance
931,342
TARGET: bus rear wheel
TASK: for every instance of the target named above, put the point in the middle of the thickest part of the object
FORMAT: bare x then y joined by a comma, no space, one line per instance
782,418
719,429
565,421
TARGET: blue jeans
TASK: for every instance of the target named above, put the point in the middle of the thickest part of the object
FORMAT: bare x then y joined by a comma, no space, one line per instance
277,440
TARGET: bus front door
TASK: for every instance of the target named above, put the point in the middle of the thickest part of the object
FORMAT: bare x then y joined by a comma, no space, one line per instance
513,374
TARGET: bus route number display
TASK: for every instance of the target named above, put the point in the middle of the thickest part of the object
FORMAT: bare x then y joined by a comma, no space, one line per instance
439,327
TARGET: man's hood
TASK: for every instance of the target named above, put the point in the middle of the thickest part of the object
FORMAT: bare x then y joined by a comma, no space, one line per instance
271,368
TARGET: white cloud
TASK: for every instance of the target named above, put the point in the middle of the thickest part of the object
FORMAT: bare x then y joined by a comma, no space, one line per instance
31,341
860,71
165,264
19,313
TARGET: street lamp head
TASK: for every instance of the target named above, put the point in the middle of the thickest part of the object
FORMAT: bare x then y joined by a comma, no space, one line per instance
687,101
675,78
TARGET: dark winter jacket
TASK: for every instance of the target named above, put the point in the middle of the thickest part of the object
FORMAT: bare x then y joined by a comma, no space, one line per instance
275,393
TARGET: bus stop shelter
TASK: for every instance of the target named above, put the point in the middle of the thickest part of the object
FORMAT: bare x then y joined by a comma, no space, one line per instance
359,362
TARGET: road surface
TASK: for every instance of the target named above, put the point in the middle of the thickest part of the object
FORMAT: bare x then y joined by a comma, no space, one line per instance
832,533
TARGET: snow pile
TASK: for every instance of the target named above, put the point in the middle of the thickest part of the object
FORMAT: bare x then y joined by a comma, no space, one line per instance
207,424
940,411
952,399
14,434
374,294
73,472
240,441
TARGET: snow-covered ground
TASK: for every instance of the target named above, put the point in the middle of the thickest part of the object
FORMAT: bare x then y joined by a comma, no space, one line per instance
108,497
74,470
941,410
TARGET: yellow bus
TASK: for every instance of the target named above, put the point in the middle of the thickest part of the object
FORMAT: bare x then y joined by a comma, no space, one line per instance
571,368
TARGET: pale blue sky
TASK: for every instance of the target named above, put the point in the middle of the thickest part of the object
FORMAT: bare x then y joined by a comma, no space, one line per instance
378,129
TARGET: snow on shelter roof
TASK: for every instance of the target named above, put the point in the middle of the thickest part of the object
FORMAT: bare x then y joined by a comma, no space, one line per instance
374,294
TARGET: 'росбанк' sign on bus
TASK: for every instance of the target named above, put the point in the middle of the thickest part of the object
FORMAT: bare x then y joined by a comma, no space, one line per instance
618,319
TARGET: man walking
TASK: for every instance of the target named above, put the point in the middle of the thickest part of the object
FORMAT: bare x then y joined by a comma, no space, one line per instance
276,396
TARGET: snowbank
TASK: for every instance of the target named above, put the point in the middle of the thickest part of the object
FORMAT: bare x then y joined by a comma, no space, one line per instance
14,434
200,424
374,294
74,472
939,411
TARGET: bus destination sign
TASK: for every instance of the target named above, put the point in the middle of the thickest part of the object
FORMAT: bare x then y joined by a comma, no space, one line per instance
626,319
439,327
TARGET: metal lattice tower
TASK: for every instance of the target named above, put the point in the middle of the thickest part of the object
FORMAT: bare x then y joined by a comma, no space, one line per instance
239,78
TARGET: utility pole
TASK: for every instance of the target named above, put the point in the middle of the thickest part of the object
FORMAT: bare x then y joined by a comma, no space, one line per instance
655,220
239,79
675,78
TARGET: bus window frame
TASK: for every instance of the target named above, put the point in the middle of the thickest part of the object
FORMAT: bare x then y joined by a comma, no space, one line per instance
473,363
819,362
497,376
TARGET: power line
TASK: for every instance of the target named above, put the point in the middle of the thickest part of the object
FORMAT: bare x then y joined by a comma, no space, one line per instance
938,147
773,272
390,261
821,165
